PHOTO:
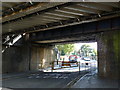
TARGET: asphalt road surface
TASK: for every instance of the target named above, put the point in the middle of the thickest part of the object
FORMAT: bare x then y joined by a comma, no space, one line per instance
58,79
42,80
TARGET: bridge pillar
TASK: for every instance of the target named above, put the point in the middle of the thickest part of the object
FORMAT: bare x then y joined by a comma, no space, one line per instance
41,57
23,56
16,58
109,54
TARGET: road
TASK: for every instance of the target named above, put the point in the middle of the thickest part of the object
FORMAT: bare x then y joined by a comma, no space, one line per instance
56,79
83,66
42,80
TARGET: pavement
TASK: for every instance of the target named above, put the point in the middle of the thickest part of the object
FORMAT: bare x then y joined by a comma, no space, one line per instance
91,80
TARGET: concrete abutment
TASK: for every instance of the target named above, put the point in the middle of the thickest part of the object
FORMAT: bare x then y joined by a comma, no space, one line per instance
26,57
109,54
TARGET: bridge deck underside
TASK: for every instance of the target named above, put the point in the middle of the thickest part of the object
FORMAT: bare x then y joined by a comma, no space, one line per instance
27,17
82,32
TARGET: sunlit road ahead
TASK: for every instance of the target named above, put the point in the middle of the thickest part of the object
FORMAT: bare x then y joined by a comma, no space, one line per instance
74,68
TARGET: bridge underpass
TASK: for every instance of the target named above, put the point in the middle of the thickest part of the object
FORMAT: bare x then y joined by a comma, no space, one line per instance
36,45
105,33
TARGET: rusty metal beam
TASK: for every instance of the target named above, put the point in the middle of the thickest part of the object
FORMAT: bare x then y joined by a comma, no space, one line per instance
71,12
60,13
83,9
96,6
40,8
69,32
62,20
113,4
85,20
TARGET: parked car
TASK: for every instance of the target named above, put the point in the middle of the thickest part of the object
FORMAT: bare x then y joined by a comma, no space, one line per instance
85,61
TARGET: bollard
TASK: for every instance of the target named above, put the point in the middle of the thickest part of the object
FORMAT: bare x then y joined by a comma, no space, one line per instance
79,66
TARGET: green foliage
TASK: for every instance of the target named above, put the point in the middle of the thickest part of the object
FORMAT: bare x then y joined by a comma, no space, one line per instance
65,49
62,53
86,50
75,53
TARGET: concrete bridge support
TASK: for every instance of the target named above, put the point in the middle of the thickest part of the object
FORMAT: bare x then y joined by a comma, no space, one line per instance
26,57
109,54
42,57
15,59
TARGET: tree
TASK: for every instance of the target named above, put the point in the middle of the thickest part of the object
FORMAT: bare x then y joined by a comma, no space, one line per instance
62,53
85,49
66,48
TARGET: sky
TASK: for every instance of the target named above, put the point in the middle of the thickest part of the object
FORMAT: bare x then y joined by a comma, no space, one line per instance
92,45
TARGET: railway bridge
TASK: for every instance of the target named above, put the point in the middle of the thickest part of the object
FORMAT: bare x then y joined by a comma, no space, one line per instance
31,29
